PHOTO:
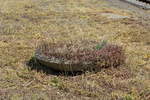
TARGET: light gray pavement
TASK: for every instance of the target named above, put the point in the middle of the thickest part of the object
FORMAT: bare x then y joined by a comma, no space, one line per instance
141,13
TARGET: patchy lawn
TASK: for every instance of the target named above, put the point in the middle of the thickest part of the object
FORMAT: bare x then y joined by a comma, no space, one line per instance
24,23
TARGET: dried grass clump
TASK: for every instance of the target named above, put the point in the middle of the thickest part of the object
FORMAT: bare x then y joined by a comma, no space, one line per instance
84,53
110,55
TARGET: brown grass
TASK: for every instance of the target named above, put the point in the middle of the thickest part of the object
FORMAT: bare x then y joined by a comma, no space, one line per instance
24,23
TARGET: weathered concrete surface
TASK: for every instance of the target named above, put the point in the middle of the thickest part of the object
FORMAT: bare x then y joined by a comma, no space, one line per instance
138,3
140,13
147,1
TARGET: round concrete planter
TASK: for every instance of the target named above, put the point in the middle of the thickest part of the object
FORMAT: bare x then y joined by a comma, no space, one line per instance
59,65
75,58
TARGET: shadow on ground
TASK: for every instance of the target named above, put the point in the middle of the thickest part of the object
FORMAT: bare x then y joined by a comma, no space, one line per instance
33,64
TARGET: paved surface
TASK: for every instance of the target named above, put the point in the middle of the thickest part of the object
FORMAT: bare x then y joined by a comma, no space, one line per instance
138,3
141,13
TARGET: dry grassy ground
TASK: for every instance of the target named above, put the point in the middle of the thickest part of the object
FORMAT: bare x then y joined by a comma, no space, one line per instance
24,23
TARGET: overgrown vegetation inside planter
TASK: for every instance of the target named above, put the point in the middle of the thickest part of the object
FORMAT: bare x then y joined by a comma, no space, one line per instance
83,53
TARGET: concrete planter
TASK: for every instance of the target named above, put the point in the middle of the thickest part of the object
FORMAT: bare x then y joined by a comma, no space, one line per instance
59,65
